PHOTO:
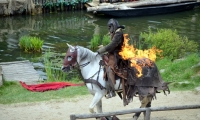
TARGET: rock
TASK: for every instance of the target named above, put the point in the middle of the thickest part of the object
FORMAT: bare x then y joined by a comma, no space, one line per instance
38,65
184,82
197,88
162,70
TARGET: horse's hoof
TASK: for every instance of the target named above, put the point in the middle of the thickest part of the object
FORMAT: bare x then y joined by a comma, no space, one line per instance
135,117
91,110
103,118
115,118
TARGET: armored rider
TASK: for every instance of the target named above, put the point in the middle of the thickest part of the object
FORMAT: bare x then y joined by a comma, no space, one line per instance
112,49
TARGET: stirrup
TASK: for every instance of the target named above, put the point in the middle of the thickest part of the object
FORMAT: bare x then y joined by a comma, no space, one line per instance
110,94
113,94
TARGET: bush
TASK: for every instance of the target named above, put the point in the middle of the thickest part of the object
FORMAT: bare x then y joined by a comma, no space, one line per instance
31,44
173,45
106,40
95,41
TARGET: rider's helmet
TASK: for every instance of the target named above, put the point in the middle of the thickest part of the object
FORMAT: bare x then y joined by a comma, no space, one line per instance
113,25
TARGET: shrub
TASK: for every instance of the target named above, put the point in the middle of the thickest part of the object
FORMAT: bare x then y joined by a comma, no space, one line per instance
173,45
31,44
95,41
106,40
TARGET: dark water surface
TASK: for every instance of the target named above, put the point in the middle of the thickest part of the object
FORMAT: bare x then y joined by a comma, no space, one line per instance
78,28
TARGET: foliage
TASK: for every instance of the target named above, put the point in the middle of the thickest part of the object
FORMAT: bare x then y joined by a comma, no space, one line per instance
31,44
95,41
183,73
61,3
173,45
98,40
106,40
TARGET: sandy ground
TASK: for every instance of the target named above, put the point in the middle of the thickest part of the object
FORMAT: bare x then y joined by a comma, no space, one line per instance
61,109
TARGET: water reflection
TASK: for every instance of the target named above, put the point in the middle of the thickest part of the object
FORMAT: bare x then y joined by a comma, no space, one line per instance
78,27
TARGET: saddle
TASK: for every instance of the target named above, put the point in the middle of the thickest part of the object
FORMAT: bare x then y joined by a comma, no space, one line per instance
132,85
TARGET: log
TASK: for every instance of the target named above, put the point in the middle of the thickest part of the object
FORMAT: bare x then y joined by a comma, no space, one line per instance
130,5
122,112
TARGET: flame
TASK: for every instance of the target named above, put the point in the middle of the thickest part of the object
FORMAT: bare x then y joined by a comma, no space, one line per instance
138,58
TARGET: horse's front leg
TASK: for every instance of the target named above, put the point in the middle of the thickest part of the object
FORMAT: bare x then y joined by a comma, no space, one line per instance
99,106
145,102
96,101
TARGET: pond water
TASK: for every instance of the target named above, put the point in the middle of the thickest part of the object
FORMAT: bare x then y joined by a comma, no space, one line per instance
78,28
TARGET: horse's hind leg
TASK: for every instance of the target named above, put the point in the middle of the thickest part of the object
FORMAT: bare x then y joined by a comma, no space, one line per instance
146,102
96,100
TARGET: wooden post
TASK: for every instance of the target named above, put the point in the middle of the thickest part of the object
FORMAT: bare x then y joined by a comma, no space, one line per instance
147,110
72,117
147,115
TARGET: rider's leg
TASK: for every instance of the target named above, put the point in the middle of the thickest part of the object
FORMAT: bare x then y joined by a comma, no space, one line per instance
148,101
111,80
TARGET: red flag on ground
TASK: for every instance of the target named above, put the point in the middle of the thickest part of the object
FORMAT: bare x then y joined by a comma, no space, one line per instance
48,86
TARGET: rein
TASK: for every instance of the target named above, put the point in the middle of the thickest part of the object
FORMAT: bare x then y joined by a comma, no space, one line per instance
85,64
90,80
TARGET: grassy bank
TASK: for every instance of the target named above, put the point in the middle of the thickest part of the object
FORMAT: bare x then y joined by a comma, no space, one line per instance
184,73
13,92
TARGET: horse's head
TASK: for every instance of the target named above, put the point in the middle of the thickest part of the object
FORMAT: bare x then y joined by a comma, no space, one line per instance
70,59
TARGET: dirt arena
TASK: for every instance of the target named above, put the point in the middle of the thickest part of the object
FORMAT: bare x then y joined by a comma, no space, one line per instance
61,109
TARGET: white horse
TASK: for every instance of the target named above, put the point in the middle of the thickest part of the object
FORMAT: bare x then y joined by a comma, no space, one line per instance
88,62
91,71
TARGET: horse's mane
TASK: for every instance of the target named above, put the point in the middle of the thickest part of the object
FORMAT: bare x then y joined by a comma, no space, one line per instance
86,53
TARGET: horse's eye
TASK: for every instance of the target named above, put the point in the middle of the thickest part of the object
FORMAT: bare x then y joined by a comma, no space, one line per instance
69,58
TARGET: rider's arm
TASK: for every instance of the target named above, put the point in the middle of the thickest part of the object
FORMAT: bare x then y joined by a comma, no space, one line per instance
117,38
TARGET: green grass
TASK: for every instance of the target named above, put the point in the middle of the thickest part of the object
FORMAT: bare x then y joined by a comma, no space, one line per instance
13,92
95,41
99,40
184,73
106,40
30,44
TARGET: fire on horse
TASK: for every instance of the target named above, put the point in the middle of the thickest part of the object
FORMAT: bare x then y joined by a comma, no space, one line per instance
127,86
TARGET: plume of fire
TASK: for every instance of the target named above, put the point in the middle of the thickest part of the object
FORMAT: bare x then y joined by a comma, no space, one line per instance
138,58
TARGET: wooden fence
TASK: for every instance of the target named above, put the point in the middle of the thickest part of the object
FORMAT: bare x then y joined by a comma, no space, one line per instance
147,110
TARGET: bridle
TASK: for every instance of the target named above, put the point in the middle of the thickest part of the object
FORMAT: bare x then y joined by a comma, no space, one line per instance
71,59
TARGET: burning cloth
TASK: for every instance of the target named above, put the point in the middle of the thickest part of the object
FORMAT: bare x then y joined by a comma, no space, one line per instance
143,77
